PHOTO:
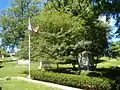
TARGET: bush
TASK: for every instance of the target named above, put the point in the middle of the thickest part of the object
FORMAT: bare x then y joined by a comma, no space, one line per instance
83,82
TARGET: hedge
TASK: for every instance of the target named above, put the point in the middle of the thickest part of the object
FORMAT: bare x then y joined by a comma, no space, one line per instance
83,82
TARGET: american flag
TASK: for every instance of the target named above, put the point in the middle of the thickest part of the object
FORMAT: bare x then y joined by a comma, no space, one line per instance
34,29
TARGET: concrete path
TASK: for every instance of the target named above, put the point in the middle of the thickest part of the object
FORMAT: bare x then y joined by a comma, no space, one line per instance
46,83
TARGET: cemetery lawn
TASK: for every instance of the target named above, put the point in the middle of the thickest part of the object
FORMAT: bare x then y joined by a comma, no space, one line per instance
12,69
23,85
105,62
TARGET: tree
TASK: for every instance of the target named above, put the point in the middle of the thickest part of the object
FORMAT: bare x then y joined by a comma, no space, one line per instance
14,20
57,35
96,31
3,52
67,29
110,8
62,36
115,49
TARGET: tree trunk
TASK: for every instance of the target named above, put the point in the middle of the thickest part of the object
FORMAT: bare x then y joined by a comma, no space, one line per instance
73,64
57,65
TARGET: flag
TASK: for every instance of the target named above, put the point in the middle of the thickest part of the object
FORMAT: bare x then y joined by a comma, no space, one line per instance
29,25
35,29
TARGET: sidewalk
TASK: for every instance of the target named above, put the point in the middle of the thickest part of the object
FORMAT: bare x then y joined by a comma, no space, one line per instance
47,83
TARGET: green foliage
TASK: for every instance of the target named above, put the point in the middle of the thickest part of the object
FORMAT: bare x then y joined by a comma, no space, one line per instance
66,35
66,29
58,35
14,20
83,82
3,52
115,49
62,36
110,8
23,53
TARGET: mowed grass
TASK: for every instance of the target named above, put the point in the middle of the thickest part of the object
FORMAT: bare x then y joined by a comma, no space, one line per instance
12,69
108,63
23,85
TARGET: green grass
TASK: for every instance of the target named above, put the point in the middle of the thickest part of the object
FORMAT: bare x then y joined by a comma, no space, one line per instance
12,69
108,63
23,85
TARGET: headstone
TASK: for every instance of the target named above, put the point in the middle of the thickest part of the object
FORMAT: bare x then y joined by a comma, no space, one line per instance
85,60
2,56
40,67
44,65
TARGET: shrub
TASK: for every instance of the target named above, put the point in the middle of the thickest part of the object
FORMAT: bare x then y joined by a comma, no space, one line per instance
83,82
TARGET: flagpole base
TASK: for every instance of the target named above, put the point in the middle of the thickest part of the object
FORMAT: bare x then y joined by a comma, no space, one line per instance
29,77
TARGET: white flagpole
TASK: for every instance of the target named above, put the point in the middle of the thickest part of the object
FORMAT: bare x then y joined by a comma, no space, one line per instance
29,28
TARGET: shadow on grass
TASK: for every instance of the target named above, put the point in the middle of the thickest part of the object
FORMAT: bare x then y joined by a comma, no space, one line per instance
9,60
57,70
99,61
1,66
110,73
64,70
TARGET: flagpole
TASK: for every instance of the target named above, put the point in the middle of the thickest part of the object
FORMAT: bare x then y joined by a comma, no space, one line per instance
29,28
35,30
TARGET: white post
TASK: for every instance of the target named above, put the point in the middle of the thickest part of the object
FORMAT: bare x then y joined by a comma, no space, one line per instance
29,58
29,28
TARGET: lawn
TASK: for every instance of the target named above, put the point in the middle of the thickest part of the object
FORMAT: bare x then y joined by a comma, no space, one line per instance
23,85
105,62
105,65
13,69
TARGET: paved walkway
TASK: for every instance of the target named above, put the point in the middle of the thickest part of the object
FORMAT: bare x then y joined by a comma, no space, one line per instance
47,83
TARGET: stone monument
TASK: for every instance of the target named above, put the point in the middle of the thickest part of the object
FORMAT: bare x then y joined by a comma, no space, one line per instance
44,65
85,60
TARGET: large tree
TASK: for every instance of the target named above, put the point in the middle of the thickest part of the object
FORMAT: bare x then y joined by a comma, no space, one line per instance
14,20
89,12
62,36
110,8
67,27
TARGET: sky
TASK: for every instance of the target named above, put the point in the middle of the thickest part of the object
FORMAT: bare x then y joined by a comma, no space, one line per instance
4,4
113,27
